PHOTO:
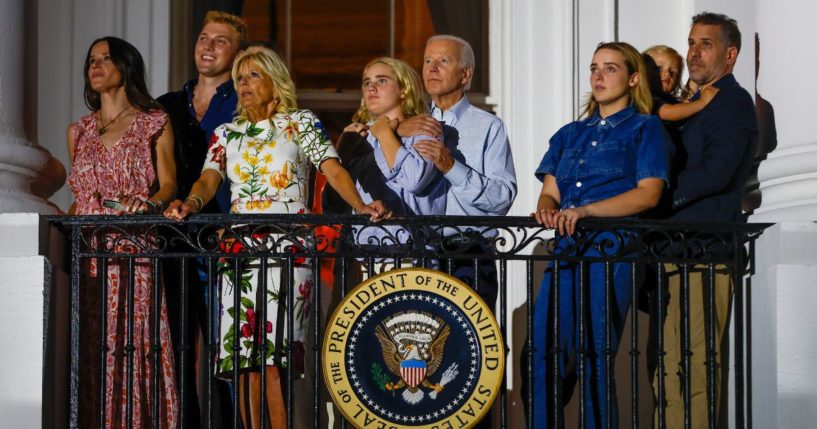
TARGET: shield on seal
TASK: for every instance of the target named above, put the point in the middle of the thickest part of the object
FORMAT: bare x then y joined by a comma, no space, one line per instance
413,371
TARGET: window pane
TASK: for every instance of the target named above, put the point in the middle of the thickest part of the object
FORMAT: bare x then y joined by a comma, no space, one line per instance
330,41
467,19
412,27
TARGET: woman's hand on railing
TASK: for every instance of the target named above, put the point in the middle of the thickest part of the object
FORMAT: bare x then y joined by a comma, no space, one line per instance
376,211
564,221
546,217
567,218
178,210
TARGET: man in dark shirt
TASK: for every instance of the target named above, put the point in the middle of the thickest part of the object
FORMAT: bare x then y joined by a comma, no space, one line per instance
206,102
203,104
710,173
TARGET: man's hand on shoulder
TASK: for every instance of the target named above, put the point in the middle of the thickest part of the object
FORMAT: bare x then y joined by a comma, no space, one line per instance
420,125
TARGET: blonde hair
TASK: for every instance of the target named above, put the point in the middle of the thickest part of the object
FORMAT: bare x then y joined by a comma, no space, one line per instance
236,22
410,86
666,50
640,96
274,68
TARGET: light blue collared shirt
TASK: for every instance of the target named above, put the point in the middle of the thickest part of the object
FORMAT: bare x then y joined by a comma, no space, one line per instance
482,181
417,182
413,186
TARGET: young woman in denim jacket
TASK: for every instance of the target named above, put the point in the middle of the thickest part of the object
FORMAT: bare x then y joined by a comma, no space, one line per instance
611,163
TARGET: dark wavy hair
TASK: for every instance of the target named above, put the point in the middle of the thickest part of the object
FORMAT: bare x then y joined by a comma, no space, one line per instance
127,59
729,27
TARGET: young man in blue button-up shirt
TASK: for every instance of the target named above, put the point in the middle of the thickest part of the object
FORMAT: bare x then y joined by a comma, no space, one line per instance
202,105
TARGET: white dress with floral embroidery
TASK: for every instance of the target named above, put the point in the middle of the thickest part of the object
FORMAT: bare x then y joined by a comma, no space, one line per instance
268,166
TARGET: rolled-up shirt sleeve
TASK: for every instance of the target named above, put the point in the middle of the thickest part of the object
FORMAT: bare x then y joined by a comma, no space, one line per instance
410,171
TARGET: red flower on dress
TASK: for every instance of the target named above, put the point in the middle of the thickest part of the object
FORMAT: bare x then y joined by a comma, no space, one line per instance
305,289
248,329
217,154
231,245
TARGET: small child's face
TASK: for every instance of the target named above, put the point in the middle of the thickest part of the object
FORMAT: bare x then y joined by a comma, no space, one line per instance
670,66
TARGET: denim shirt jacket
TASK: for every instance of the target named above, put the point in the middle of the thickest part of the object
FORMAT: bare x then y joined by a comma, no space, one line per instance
594,159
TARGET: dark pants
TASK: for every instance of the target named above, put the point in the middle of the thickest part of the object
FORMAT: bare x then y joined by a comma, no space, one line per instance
479,274
195,376
482,277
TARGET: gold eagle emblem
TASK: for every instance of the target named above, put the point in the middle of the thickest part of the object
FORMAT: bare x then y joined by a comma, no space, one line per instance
412,344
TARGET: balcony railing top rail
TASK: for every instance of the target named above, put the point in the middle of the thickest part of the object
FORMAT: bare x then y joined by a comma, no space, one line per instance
419,236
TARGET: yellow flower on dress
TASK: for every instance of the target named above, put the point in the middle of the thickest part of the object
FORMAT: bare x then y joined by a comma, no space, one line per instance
253,160
244,176
267,158
245,156
237,170
281,179
258,204
263,170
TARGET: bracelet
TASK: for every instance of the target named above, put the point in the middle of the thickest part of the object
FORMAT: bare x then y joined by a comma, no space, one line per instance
197,199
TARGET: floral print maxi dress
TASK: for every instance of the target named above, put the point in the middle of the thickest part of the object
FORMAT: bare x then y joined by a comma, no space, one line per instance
268,166
97,174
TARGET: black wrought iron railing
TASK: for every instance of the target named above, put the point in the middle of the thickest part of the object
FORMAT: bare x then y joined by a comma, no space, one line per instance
184,263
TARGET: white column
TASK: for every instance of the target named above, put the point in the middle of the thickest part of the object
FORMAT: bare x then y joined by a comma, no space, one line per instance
783,294
25,277
28,173
784,342
788,177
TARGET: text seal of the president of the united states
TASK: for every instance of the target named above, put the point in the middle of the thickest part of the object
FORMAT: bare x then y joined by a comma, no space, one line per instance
413,348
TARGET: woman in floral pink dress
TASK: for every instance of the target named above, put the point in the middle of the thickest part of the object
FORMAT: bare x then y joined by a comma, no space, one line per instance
266,152
123,151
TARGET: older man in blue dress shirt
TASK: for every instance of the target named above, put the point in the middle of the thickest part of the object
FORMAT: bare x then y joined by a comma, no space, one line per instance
474,157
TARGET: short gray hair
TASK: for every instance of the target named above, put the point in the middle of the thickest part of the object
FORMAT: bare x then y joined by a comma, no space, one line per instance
466,53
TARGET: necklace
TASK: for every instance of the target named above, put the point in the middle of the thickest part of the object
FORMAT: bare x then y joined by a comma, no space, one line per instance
104,127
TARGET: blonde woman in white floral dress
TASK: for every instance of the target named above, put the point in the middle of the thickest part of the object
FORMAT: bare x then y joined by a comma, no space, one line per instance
266,152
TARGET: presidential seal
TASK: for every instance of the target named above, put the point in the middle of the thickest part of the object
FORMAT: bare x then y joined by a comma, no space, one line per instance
413,348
